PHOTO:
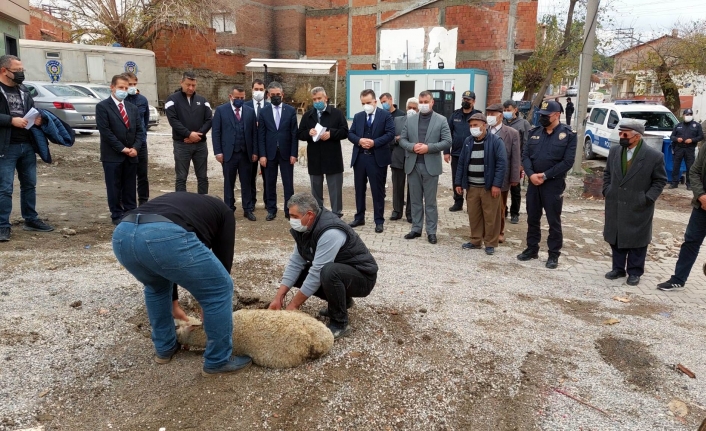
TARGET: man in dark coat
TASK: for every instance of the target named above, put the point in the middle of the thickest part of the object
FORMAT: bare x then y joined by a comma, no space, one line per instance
323,152
569,110
633,179
397,164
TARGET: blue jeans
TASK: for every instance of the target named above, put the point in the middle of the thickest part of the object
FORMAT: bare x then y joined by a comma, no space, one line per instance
693,238
18,157
159,254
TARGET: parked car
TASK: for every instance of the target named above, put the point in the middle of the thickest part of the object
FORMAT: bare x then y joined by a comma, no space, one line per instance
604,117
101,92
572,91
595,97
66,102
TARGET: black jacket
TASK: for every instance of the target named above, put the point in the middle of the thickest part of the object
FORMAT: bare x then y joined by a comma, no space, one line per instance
6,118
186,118
115,137
691,130
460,130
324,157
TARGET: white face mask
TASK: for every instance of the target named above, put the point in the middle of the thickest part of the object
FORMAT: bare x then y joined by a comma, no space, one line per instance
492,121
411,112
688,118
476,131
369,108
424,108
258,95
297,225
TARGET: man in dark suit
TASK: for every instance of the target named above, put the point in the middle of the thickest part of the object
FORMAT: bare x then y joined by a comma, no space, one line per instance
371,134
323,153
234,134
121,137
143,108
258,102
397,164
277,133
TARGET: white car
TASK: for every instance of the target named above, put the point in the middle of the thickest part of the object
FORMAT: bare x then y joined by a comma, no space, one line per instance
604,117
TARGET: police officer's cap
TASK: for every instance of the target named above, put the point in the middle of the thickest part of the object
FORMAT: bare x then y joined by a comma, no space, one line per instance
479,117
549,107
468,94
688,111
495,107
634,125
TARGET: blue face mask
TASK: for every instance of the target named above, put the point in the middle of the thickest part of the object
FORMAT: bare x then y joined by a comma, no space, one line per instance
386,106
238,103
507,115
320,105
120,94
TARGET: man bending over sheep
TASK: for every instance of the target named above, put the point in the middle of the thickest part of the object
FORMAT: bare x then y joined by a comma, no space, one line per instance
166,241
329,261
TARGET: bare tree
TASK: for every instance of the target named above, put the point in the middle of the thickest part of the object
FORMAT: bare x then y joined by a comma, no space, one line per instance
137,23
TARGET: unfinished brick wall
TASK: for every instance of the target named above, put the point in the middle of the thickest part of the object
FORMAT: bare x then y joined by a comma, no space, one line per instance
43,26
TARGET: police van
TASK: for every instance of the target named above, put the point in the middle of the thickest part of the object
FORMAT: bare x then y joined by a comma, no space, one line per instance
603,119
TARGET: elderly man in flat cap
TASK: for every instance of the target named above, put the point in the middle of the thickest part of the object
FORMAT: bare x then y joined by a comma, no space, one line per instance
633,179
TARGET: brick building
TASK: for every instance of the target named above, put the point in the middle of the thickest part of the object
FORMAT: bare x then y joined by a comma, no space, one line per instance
43,26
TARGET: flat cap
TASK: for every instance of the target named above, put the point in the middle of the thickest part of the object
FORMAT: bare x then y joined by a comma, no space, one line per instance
634,125
468,94
479,117
495,107
549,107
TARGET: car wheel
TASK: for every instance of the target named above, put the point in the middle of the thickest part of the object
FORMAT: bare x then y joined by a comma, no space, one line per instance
588,150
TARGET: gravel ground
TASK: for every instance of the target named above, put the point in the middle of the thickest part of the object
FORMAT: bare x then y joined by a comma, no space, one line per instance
449,339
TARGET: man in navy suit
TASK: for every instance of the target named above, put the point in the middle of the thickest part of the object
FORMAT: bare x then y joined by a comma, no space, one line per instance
258,102
234,134
277,127
371,134
121,137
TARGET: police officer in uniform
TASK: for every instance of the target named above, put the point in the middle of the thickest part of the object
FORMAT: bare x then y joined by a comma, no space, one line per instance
458,123
546,158
685,137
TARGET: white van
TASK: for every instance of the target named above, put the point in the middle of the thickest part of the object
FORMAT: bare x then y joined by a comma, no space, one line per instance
604,117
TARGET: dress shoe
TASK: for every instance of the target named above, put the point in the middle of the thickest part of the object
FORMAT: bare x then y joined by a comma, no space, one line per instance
431,238
527,255
413,235
409,219
456,207
552,262
673,186
515,219
471,246
356,223
270,216
633,280
395,216
250,216
615,274
379,228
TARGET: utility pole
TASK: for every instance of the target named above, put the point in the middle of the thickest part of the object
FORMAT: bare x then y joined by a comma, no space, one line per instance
509,65
585,70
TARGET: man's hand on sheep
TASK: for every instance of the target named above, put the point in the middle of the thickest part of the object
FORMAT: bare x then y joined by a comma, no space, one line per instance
278,302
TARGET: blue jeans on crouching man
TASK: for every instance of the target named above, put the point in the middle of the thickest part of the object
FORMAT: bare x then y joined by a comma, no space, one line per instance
18,157
159,254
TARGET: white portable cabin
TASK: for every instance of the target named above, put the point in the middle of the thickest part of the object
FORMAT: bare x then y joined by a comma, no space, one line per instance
403,84
70,62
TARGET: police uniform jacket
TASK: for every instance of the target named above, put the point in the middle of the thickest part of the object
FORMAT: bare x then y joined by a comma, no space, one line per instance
691,130
630,198
552,155
458,123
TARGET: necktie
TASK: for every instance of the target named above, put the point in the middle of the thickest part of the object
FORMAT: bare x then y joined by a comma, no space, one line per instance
370,120
277,117
237,113
257,112
124,115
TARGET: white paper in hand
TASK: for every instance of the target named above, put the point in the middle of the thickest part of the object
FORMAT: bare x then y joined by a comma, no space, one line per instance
30,116
320,130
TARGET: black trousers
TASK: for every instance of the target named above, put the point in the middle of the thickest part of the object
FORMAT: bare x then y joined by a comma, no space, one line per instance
682,153
286,171
255,169
458,199
340,283
143,184
515,200
183,155
549,197
398,196
238,165
367,170
120,185
568,118
634,257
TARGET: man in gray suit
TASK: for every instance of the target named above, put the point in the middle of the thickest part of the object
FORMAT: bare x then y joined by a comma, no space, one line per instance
633,179
425,137
398,155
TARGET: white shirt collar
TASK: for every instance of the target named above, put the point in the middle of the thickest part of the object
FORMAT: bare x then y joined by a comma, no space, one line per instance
372,120
117,102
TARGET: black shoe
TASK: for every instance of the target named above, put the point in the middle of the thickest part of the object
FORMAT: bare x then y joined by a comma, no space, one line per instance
456,207
413,235
527,255
673,186
339,331
409,219
349,304
633,280
270,216
5,234
670,286
379,228
471,246
615,274
234,364
395,216
250,216
356,223
431,238
490,251
37,225
515,219
552,262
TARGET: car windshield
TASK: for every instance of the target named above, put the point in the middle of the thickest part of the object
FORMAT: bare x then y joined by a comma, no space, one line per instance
103,92
63,91
656,121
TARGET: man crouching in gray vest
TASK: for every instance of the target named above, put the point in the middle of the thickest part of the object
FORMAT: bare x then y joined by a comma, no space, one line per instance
329,261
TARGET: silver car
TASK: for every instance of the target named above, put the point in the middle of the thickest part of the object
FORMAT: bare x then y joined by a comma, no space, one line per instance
103,92
66,102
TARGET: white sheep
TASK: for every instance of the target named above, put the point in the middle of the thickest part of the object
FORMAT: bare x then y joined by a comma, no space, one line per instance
273,339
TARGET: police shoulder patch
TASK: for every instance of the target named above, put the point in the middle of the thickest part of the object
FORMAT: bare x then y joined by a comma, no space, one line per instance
562,135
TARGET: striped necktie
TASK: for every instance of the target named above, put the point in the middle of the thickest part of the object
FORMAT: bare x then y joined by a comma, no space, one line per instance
124,115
